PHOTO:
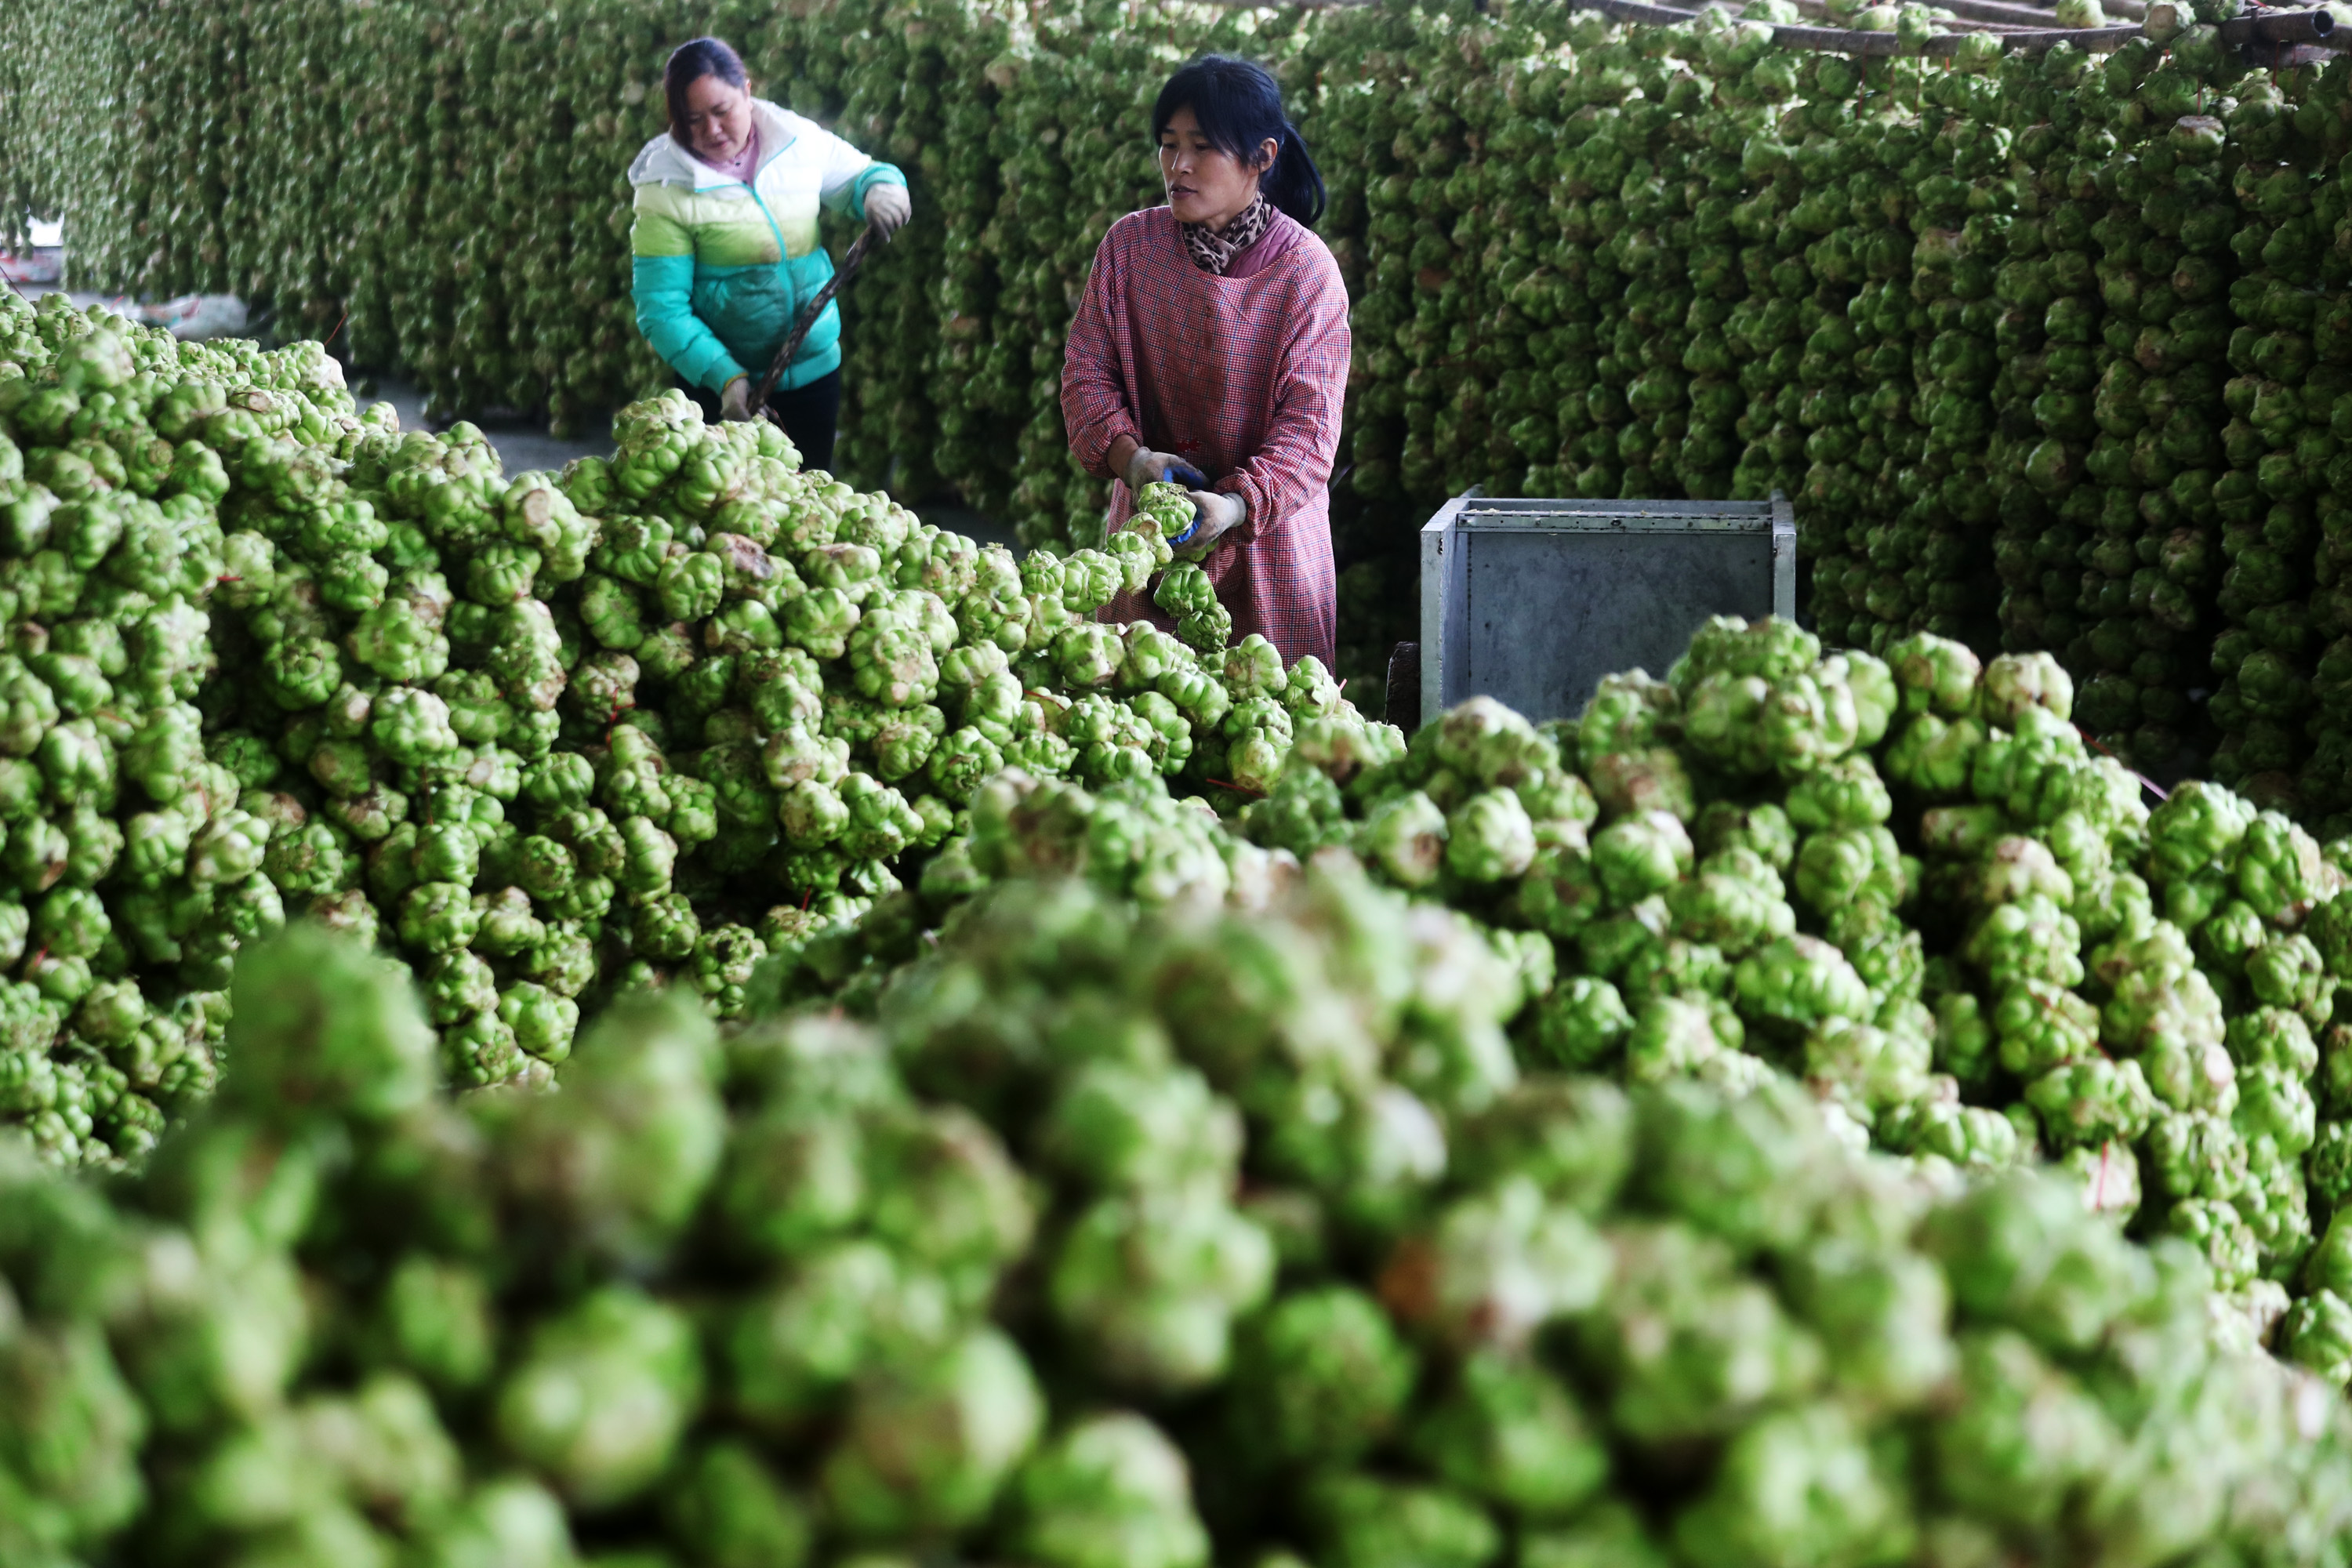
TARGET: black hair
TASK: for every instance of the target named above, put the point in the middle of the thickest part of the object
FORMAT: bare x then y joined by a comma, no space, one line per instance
689,64
1239,107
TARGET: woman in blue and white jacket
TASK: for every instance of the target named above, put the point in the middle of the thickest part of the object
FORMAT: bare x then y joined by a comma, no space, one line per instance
726,244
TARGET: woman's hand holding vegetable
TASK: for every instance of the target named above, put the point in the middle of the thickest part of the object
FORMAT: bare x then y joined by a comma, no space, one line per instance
1217,512
1141,466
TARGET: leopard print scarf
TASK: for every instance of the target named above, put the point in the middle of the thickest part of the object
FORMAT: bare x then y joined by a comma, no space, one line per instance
1214,252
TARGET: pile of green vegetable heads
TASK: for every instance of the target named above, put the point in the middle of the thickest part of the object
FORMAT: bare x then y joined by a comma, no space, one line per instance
1132,1056
543,736
693,717
1154,1258
1907,884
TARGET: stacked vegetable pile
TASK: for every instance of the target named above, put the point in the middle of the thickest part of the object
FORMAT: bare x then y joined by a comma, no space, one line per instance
408,673
798,685
548,739
244,686
1910,884
757,706
1093,1252
131,868
841,695
538,736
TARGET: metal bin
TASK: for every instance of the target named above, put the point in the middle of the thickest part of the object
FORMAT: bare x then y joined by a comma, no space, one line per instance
1531,602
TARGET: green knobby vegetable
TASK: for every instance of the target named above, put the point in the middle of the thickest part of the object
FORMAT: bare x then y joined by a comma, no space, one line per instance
1148,1286
1488,837
1358,1520
601,1396
1344,1381
978,1411
1108,1492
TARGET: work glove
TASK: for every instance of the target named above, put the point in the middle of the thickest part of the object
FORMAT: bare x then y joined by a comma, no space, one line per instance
1147,466
735,403
887,207
1216,513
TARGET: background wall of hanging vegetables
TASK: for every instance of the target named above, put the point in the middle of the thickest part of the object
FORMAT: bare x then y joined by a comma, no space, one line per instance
2049,348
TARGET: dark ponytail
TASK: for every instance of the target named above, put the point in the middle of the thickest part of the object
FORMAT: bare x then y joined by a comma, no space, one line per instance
689,64
1239,107
1294,183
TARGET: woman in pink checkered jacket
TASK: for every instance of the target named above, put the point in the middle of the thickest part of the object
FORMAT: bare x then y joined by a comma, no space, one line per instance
1212,348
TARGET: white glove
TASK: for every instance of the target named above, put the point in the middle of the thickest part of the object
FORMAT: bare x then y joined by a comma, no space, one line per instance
1147,466
887,207
1217,512
735,403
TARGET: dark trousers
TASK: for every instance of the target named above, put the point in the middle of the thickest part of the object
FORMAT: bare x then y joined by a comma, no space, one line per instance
809,415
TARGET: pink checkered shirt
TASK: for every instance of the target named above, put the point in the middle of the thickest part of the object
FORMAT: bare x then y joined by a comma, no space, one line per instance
1242,377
